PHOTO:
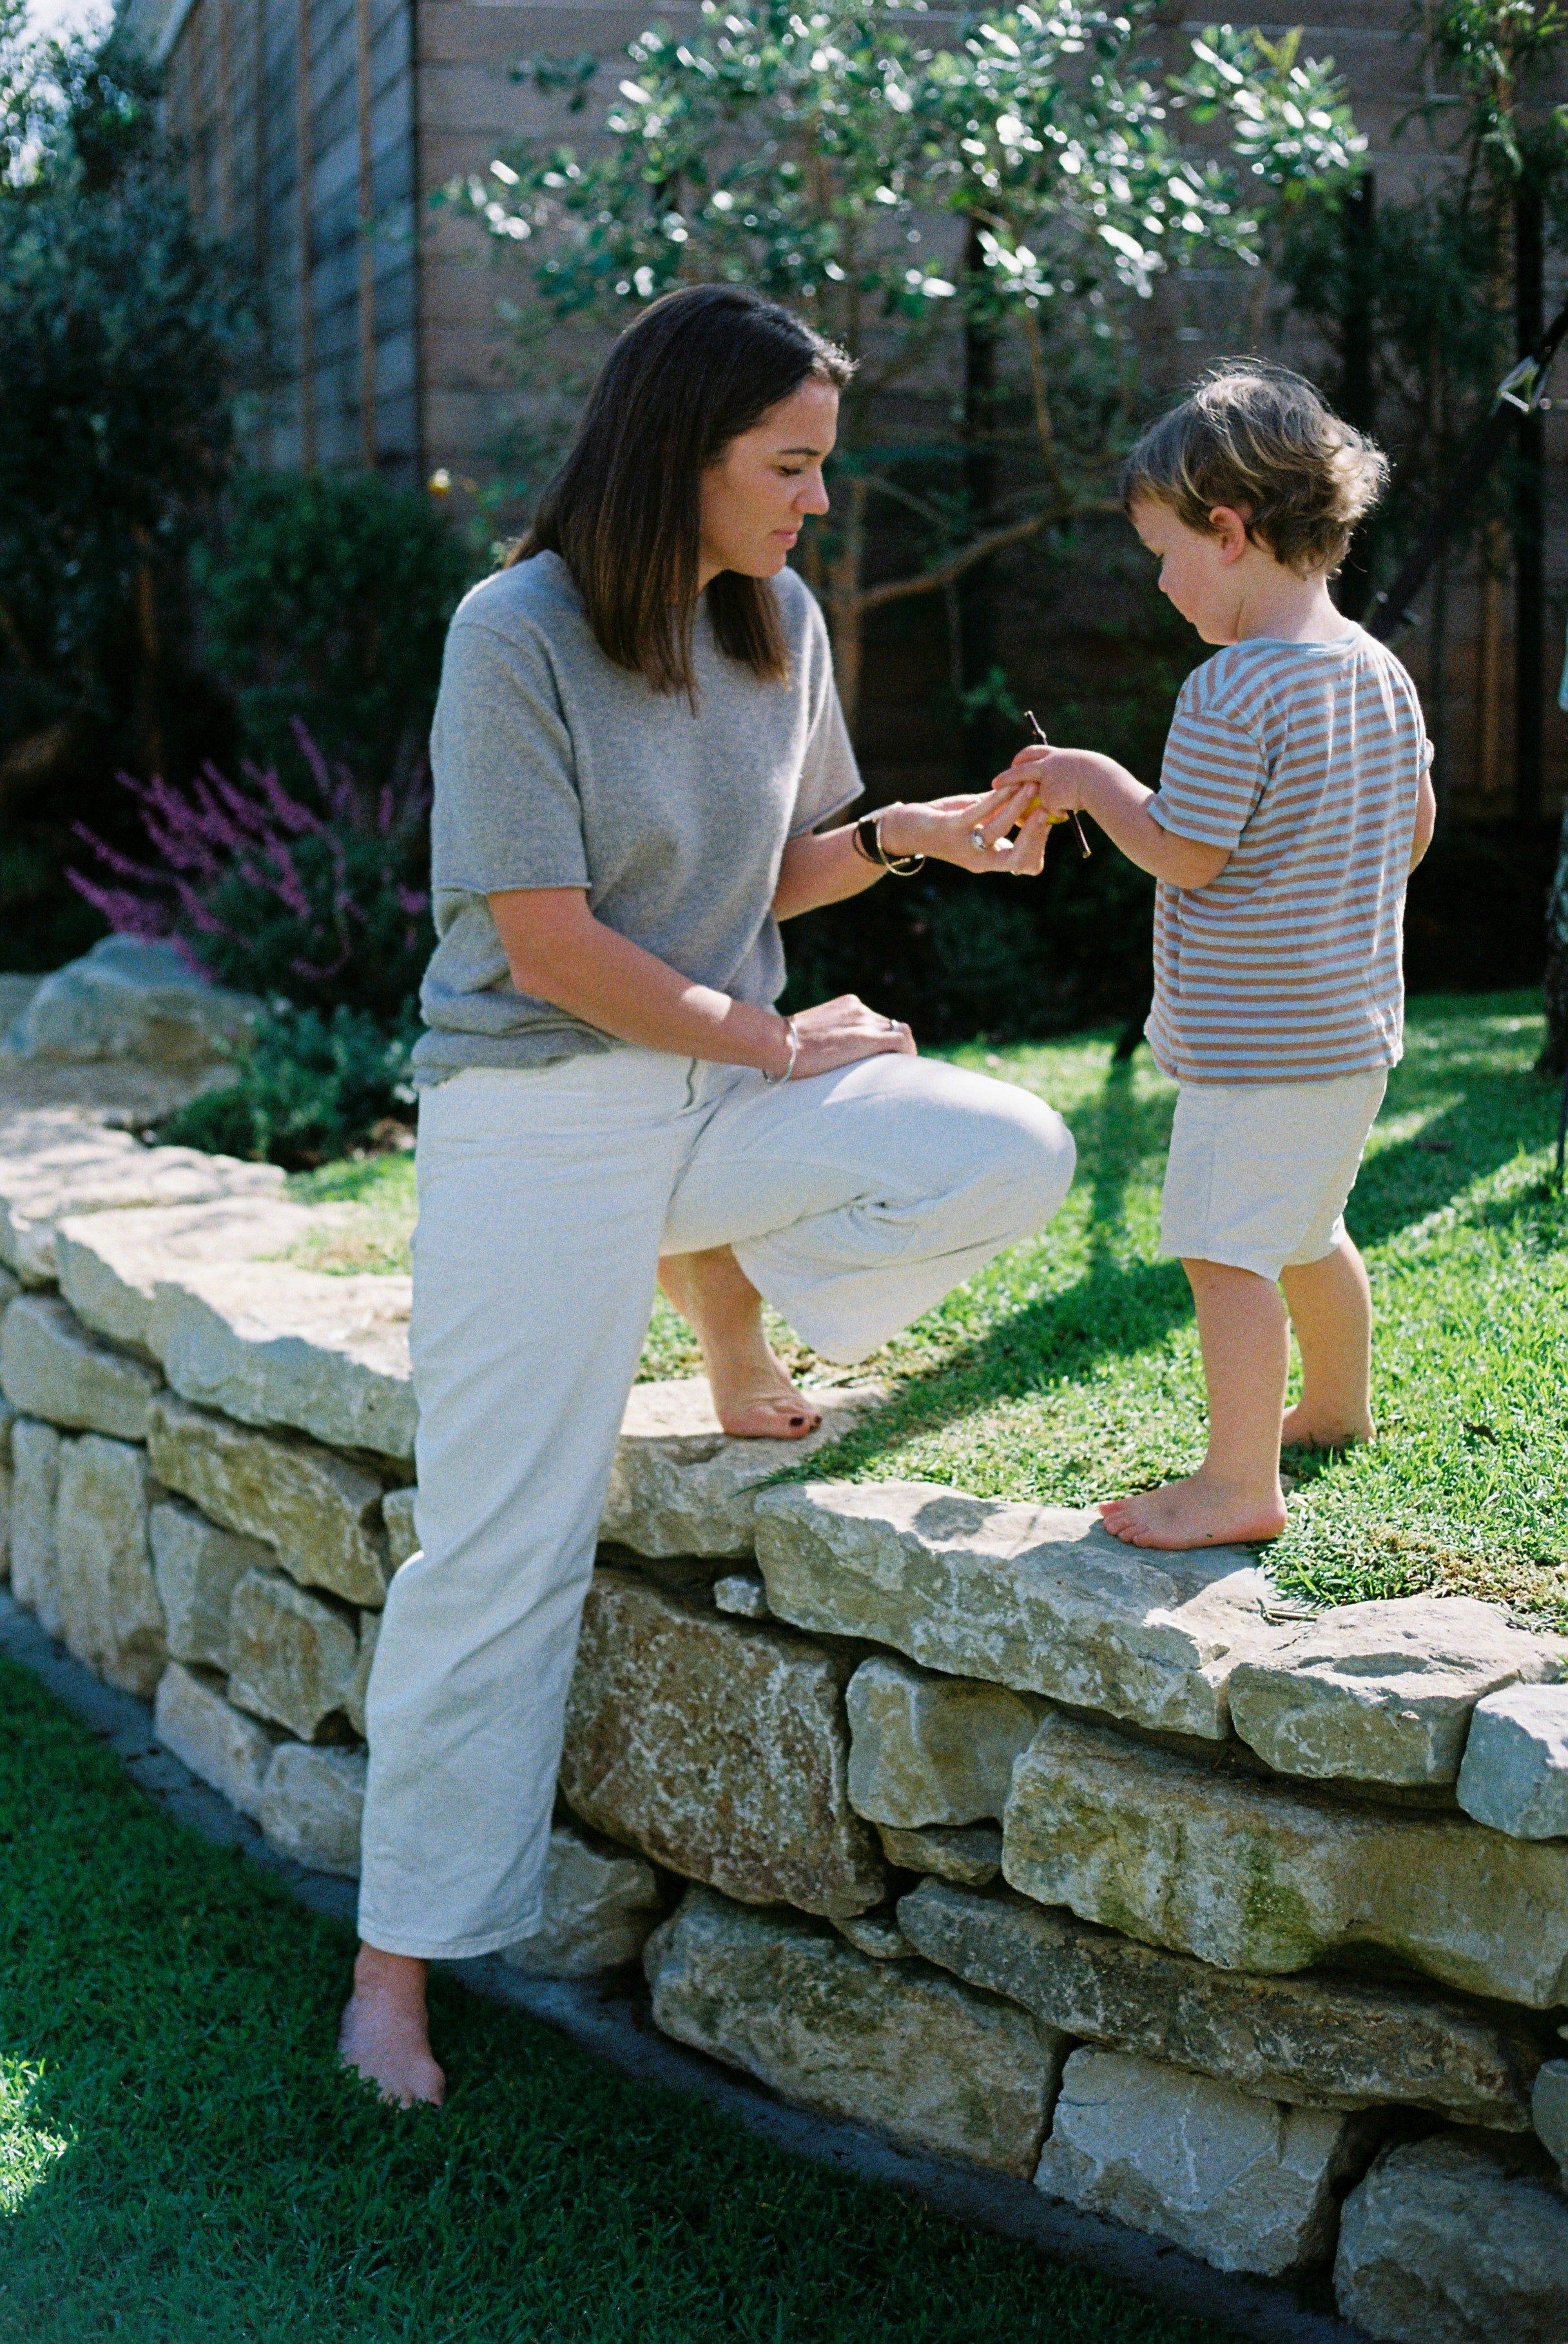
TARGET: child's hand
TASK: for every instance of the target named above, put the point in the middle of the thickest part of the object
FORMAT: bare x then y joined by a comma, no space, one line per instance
1055,777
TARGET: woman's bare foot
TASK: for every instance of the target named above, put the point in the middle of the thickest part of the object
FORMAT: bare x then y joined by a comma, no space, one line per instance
385,2035
1302,1429
753,1395
1197,1511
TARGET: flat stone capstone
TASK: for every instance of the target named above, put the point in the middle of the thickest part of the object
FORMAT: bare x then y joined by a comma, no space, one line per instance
1034,1597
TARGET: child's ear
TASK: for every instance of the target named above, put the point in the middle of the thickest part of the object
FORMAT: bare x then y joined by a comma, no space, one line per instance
1229,529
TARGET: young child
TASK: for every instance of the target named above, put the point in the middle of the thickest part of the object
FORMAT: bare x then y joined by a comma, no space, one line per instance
1294,801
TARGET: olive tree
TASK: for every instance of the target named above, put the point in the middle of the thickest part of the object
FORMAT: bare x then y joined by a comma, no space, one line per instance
1016,193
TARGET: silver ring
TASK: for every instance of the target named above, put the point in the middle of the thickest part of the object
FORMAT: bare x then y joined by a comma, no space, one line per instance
978,839
895,1025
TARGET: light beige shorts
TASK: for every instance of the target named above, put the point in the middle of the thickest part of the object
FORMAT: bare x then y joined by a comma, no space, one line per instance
1260,1172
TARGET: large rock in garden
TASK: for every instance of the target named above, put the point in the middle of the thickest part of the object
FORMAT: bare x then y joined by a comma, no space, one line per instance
129,998
718,1748
1250,1876
680,1484
1315,2040
110,1616
1449,2241
1515,1771
1383,1692
52,1367
34,1497
221,1745
600,1907
932,1749
109,1265
889,2044
312,1806
1246,2184
236,1329
197,1567
321,1514
1035,1597
291,1657
273,1345
54,1164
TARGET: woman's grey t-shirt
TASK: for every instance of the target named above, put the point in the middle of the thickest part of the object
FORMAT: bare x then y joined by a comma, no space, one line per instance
555,768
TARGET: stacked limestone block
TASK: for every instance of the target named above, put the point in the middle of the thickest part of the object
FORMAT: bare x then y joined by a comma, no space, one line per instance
1107,1871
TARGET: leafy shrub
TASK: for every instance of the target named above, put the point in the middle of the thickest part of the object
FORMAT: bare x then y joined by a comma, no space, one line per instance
316,896
307,1089
324,600
124,335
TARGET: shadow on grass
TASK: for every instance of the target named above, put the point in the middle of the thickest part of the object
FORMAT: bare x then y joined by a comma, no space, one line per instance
1498,1116
1486,1113
1113,1311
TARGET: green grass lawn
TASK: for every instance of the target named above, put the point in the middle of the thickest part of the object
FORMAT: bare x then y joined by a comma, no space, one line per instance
182,2161
1068,1370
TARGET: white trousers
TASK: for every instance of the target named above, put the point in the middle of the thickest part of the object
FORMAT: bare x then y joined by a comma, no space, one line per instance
854,1201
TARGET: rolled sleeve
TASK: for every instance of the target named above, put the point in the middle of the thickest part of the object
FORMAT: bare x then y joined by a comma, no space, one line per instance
507,812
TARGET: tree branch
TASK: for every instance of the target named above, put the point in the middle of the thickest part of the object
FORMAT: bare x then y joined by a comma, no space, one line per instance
930,581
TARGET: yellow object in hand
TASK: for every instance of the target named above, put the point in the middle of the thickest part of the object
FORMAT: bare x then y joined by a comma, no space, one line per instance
1055,820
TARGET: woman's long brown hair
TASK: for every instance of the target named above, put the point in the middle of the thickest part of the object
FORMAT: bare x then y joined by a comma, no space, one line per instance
624,513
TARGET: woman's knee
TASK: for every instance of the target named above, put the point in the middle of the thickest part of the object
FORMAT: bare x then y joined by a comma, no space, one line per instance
1037,1160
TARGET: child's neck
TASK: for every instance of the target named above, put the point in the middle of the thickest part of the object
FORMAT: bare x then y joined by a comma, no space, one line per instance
1275,602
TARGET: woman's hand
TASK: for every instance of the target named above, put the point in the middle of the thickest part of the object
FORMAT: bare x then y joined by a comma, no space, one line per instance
972,830
839,1033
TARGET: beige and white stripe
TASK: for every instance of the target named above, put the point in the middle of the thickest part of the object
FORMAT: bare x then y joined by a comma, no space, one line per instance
1304,761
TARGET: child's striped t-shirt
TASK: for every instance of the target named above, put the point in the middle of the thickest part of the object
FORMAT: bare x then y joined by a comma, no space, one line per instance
1304,760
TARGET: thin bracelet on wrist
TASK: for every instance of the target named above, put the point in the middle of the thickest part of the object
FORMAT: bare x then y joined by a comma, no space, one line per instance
867,843
791,1037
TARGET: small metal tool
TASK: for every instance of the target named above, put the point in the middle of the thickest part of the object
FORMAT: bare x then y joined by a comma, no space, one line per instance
1055,818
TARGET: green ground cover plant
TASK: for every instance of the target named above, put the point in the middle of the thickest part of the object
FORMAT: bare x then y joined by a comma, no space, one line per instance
182,2161
1068,1370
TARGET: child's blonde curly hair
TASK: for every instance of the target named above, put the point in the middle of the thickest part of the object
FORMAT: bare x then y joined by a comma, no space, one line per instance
1258,439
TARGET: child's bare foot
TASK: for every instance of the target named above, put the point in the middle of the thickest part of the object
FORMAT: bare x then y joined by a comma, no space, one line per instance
753,1395
1301,1429
1197,1511
384,2035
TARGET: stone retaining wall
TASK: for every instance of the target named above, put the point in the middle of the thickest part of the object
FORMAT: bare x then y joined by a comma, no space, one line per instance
951,1815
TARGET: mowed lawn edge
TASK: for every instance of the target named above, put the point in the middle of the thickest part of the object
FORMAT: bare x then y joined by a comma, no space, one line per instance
183,2162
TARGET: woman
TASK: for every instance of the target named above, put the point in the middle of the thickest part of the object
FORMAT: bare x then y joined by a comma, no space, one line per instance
636,746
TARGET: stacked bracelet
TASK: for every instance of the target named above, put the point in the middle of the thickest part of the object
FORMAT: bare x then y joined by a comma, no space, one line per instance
792,1037
867,843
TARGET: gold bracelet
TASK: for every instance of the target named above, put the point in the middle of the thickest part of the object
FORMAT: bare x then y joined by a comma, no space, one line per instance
868,841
